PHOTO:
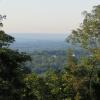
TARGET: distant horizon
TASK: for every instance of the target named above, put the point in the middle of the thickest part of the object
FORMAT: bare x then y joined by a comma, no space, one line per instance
38,36
42,41
30,33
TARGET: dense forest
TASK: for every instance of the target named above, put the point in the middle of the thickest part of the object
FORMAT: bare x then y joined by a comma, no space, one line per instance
54,75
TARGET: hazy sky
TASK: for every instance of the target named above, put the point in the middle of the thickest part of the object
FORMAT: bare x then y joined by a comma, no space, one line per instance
44,16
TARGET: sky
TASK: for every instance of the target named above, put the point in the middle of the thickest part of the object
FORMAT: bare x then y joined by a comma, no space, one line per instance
44,16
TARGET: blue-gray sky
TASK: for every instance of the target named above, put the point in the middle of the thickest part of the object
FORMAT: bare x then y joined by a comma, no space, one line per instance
44,16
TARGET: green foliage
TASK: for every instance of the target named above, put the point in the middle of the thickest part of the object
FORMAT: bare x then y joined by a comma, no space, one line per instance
12,70
5,39
86,71
88,33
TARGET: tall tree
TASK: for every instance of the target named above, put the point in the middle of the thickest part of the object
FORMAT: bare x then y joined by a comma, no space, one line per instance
88,37
12,69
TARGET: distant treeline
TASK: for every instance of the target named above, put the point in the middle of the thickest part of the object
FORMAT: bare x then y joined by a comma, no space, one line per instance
44,60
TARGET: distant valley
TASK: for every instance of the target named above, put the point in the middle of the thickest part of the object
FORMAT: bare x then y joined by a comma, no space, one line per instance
37,42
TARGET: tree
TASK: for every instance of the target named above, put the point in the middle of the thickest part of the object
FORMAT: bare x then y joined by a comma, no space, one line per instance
88,37
88,34
12,69
5,39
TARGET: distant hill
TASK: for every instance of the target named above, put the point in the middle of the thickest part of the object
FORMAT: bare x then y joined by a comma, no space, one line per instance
32,42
